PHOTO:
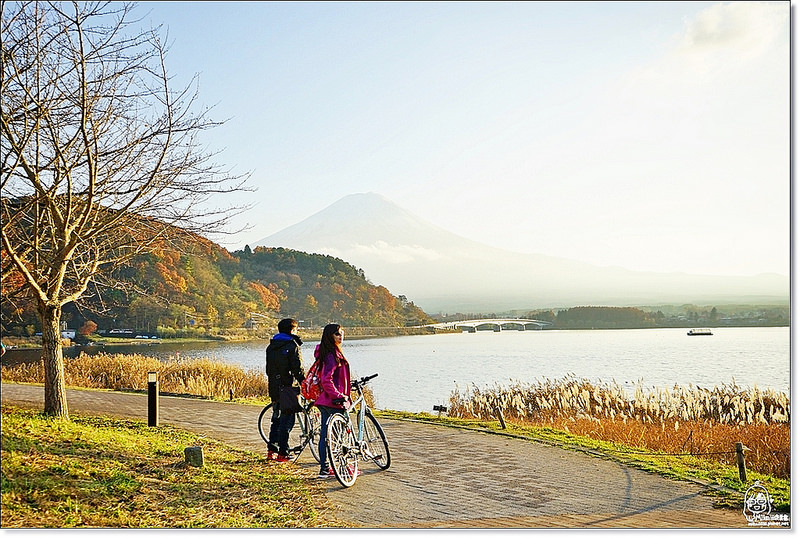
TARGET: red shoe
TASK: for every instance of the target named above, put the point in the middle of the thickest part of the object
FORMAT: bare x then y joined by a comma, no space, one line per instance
280,458
350,470
271,455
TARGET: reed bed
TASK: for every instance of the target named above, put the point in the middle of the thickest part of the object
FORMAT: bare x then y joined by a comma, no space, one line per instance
208,378
198,377
680,420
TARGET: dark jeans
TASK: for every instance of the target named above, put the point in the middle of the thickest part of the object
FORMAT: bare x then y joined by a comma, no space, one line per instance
326,413
280,426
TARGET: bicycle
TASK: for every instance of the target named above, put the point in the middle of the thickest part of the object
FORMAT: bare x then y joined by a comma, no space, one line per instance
310,422
347,444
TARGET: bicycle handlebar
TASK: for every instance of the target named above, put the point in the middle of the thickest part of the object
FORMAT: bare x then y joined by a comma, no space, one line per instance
363,380
356,384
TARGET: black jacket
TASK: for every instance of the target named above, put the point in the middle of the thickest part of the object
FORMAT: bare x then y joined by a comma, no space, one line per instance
284,362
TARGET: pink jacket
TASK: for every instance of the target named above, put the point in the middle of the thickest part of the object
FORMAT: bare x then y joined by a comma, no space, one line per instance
335,380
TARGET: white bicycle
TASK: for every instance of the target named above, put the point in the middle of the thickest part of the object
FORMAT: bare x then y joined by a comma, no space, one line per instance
348,443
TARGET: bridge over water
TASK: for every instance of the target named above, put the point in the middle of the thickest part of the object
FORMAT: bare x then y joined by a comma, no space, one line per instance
496,325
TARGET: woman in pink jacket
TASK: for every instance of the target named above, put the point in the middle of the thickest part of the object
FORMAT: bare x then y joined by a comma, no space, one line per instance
335,382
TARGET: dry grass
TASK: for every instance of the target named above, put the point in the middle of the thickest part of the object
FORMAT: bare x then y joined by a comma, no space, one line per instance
199,377
678,420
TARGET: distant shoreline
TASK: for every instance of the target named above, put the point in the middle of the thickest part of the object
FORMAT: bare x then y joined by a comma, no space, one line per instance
352,333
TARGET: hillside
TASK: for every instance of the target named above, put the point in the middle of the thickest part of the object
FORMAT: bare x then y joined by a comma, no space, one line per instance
206,290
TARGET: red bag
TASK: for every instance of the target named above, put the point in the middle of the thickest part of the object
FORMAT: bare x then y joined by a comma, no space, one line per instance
311,387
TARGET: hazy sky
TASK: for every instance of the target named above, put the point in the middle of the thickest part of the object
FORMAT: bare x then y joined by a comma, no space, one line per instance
649,135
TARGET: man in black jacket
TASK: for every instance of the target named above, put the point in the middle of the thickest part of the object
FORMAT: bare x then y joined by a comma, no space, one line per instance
284,364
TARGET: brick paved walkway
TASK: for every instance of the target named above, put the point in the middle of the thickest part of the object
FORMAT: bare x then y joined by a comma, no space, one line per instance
444,477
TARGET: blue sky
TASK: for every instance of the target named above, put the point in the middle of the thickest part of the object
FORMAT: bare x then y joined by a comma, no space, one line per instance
648,135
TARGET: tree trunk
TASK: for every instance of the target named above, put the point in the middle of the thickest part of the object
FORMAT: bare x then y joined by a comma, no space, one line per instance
55,391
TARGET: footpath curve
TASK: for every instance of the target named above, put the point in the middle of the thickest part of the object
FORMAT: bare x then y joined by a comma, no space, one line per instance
444,477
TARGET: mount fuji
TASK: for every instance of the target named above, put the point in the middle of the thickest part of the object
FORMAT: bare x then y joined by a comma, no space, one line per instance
442,271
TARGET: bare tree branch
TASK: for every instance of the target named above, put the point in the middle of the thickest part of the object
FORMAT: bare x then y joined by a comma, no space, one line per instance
101,159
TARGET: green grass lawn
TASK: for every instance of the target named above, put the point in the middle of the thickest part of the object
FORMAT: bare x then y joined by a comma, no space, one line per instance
102,472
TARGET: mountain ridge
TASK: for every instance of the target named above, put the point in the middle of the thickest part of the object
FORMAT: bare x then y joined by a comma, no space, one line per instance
441,270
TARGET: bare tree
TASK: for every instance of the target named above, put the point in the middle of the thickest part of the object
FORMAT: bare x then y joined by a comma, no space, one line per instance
100,155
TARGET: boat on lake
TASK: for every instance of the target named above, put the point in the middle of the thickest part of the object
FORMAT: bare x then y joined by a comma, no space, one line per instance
699,332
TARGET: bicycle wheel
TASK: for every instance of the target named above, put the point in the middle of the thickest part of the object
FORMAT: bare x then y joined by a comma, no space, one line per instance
375,439
297,435
264,422
308,424
342,450
314,426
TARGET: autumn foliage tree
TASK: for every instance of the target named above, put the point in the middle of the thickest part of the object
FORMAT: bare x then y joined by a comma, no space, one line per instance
100,156
89,327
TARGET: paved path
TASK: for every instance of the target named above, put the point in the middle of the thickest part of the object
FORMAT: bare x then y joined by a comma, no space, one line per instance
447,477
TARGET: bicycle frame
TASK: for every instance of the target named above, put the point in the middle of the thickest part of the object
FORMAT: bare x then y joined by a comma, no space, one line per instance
348,442
307,426
361,403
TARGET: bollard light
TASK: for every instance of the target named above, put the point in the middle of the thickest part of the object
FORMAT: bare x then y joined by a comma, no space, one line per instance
152,398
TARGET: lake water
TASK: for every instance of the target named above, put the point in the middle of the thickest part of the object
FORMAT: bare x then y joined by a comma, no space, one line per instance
417,372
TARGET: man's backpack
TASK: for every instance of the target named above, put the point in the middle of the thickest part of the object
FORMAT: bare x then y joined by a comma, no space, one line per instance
311,387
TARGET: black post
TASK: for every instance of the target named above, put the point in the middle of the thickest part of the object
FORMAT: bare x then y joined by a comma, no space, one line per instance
152,398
